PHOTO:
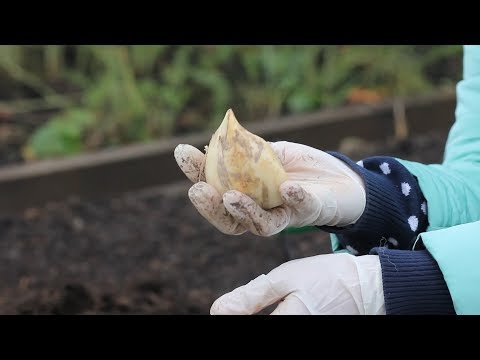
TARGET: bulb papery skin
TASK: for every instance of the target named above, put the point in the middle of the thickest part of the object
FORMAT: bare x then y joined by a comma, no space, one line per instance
236,159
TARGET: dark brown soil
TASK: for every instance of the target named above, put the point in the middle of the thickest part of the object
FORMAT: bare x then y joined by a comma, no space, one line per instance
146,252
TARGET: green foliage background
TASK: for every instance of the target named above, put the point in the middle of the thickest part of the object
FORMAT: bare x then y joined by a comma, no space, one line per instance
114,95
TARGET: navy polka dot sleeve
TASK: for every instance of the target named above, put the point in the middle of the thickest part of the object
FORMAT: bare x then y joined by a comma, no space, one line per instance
395,212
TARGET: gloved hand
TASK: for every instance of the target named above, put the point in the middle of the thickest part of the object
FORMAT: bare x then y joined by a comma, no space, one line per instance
332,284
320,190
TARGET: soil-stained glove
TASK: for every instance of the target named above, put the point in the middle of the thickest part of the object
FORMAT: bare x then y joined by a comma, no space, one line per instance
320,190
332,284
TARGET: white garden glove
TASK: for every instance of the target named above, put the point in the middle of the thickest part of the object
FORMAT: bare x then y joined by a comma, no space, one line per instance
320,190
332,284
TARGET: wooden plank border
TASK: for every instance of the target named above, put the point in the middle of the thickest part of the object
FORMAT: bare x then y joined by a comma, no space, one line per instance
114,171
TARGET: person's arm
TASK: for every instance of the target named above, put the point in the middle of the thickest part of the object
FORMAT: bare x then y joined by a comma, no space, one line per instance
343,284
447,190
452,196
438,280
395,214
395,211
452,189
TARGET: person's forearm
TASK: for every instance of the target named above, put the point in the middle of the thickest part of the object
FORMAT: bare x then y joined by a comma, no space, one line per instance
452,189
395,211
451,192
413,283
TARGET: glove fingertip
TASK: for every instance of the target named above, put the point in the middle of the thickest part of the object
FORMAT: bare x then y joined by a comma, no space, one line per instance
190,160
201,190
216,308
181,152
292,193
178,149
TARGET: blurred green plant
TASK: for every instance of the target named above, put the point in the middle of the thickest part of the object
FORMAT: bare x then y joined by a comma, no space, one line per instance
63,135
139,93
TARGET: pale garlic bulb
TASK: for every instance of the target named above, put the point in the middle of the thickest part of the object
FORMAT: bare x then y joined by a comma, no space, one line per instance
236,159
